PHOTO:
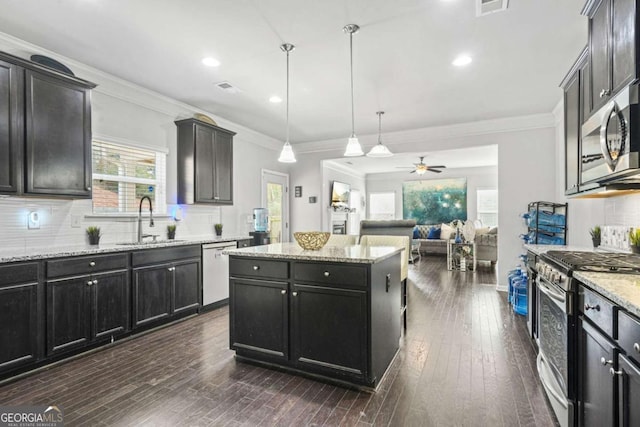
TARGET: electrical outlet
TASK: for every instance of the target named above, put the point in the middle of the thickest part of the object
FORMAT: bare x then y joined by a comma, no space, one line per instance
75,221
249,219
33,221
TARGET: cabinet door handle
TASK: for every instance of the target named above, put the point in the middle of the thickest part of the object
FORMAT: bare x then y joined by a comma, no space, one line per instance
636,347
92,264
88,188
283,291
256,267
605,362
89,283
295,294
216,198
604,92
588,307
326,274
95,281
171,269
613,372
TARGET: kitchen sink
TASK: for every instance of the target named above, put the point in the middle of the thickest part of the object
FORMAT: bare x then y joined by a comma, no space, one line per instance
149,242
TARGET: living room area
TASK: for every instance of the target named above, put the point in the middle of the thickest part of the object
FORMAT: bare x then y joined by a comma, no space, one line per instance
451,194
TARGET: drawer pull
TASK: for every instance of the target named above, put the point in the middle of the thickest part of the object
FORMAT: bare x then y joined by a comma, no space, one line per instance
326,274
95,281
92,264
283,292
256,267
295,294
588,307
89,283
636,347
613,372
171,269
605,362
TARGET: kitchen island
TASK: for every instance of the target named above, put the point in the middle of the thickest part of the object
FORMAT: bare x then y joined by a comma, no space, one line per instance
332,313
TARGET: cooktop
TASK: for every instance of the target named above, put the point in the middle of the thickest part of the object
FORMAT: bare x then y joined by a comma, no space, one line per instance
594,261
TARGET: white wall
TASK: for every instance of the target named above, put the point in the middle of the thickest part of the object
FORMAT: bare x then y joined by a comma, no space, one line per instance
477,178
123,112
332,171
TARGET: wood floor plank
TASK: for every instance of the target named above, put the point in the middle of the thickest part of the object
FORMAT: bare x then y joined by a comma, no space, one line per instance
464,360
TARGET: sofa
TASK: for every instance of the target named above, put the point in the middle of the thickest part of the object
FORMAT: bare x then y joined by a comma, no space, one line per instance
486,242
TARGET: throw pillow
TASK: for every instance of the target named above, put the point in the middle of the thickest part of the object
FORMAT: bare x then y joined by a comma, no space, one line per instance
446,232
494,230
416,233
483,230
434,233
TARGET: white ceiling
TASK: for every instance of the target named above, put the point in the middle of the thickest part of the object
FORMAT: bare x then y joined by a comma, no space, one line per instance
402,56
403,162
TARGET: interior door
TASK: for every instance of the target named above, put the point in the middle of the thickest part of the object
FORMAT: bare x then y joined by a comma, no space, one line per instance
275,197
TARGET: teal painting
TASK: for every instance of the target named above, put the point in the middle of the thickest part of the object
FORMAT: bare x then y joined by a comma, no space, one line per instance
435,201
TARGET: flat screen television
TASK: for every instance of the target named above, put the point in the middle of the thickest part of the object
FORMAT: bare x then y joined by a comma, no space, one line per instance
340,194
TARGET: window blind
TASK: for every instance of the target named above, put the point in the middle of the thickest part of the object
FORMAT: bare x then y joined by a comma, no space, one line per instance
122,175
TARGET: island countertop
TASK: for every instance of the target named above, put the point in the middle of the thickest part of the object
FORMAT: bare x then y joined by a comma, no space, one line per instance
350,254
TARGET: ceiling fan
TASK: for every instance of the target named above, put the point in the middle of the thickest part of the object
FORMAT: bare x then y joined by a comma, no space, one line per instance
421,168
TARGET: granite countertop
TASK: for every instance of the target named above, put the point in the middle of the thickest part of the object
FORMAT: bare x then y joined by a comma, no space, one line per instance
540,249
37,253
352,254
623,289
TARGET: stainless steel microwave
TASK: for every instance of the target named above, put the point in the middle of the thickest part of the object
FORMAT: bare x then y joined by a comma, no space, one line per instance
610,143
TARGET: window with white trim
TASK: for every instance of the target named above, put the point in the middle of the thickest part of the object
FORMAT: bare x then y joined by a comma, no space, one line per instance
123,174
488,207
382,205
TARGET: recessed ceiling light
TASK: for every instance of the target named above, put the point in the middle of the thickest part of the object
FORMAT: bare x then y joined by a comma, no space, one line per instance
275,99
210,62
462,60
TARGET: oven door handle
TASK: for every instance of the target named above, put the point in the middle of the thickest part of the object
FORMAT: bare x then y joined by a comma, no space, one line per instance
544,372
544,288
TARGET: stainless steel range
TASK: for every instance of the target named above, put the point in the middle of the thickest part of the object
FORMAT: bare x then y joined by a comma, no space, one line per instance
557,320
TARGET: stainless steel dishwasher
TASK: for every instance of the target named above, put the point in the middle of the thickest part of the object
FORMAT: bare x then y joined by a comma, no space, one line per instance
215,272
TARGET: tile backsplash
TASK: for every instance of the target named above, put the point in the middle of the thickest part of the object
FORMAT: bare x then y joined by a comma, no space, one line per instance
63,222
621,215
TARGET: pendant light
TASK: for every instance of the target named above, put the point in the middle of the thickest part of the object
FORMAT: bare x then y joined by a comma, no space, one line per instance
286,155
379,150
353,146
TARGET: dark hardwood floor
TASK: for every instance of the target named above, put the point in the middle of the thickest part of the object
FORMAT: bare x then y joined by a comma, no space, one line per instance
465,360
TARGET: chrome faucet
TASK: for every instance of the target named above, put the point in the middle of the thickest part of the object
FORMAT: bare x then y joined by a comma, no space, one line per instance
140,235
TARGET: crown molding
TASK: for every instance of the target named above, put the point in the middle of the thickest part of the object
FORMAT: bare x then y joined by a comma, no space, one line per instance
418,137
328,164
124,90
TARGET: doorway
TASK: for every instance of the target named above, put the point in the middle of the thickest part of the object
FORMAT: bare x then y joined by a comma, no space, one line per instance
275,197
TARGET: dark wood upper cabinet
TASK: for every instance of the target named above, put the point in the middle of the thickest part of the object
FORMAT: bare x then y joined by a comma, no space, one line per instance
11,119
205,163
58,137
45,131
572,86
612,48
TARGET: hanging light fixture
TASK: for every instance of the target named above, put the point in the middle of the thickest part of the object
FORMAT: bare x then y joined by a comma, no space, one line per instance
379,150
353,146
287,155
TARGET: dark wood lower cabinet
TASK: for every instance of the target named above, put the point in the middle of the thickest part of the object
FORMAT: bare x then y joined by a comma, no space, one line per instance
151,294
337,320
329,328
110,315
68,314
20,321
595,382
187,290
83,309
259,318
629,392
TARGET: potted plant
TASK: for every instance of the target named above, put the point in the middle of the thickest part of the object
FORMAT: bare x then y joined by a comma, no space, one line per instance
94,235
218,228
171,231
596,234
634,240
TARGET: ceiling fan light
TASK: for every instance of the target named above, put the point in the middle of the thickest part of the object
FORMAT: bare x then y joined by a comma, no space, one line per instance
379,150
421,170
287,155
353,148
